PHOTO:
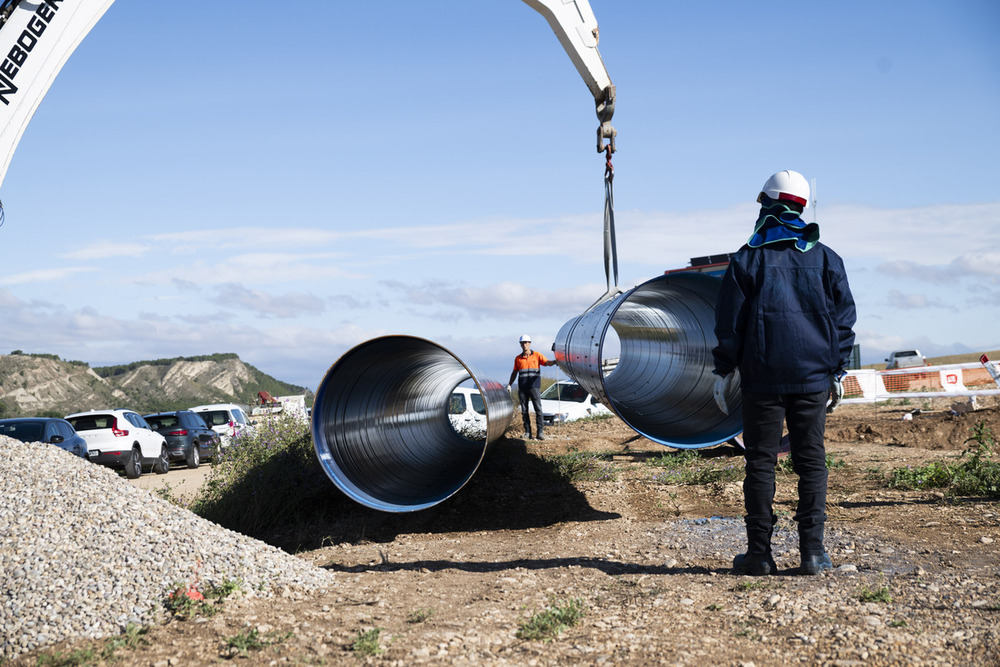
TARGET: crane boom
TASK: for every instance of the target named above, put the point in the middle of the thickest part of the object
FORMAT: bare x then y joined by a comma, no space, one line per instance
575,25
36,38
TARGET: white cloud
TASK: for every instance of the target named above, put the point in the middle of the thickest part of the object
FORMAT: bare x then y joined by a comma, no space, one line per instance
106,249
44,275
289,304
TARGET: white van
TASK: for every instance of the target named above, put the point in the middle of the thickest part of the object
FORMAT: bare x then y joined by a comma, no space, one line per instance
566,401
467,412
226,419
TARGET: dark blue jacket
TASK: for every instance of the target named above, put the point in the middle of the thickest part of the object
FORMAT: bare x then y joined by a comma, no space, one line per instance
785,318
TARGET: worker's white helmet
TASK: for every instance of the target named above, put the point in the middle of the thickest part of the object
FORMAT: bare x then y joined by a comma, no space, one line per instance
525,339
788,186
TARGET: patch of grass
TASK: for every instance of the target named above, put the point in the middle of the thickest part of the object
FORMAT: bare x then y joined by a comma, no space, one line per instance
688,467
585,467
251,639
976,474
715,607
880,594
166,492
367,642
897,624
546,624
185,600
69,659
419,615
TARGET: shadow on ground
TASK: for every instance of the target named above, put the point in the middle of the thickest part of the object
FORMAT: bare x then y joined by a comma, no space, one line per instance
511,490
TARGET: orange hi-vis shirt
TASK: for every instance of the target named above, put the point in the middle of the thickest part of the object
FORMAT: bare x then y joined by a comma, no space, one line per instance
528,369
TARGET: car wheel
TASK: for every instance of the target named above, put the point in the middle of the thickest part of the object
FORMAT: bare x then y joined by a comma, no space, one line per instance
194,457
162,464
133,465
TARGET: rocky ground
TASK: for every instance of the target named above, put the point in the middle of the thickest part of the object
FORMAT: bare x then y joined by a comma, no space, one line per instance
643,558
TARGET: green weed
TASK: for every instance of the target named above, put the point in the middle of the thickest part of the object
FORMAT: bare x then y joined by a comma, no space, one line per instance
419,615
688,467
367,642
548,623
880,594
585,467
975,474
252,640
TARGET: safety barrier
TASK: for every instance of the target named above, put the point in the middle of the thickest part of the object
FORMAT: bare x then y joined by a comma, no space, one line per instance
868,385
662,384
381,429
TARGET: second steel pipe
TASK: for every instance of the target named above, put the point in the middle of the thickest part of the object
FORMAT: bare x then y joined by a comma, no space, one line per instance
662,385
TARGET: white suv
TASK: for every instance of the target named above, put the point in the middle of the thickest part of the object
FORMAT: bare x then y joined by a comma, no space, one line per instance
226,419
122,439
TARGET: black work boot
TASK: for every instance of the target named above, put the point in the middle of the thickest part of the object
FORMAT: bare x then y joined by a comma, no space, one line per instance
527,428
815,563
757,565
814,556
541,433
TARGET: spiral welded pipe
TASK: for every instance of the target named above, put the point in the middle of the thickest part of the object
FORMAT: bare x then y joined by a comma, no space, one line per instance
381,429
662,385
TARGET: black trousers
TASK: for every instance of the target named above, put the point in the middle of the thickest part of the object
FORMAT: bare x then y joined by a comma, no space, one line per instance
763,418
534,395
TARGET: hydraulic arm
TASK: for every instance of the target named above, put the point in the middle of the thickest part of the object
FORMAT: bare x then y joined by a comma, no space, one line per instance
576,27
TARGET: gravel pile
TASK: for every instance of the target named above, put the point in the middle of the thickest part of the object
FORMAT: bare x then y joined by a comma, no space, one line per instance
83,554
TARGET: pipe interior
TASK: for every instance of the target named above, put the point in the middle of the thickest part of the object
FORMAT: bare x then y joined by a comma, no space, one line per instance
381,428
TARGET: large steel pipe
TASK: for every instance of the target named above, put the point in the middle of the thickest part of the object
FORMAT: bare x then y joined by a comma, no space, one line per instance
662,384
381,428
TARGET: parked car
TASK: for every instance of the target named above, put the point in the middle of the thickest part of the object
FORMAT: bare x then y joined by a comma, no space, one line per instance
52,430
566,401
467,412
189,439
122,439
905,359
226,419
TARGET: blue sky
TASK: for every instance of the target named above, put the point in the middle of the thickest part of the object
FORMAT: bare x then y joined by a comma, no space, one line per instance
287,181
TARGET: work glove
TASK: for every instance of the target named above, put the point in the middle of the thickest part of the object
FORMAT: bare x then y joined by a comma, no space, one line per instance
723,386
508,389
836,392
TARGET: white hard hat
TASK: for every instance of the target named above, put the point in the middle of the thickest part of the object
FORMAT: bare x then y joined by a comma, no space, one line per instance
787,185
525,339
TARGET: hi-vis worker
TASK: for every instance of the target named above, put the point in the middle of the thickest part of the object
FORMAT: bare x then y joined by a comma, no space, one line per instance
527,370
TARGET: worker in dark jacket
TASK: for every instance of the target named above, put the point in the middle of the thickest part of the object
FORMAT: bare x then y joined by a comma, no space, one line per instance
784,322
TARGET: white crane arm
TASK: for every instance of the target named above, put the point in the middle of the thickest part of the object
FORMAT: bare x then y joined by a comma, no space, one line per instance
35,40
575,25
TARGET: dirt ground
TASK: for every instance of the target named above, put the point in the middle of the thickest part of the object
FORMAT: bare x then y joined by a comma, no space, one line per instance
916,578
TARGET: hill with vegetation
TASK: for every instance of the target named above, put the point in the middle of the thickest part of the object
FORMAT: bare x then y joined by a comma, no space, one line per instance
45,385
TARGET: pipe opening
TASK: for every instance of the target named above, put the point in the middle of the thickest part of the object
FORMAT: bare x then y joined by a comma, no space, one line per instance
383,429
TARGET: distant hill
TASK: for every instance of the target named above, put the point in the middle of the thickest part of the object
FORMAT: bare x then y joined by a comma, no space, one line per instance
45,385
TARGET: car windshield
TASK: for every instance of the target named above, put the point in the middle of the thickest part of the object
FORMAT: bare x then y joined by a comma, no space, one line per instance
92,422
23,431
908,353
157,422
565,391
478,404
215,417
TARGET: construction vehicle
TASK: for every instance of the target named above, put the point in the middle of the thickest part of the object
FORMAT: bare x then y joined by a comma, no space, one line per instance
273,405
